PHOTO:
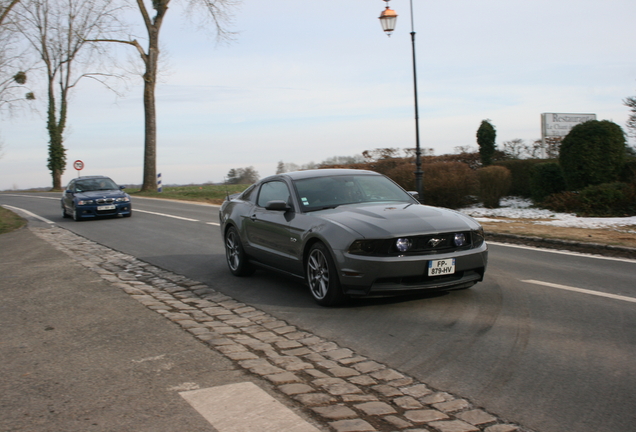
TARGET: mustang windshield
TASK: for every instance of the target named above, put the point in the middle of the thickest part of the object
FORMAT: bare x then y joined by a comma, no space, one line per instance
329,192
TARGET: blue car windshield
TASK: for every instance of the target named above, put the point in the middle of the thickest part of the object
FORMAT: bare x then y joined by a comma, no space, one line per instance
329,192
95,185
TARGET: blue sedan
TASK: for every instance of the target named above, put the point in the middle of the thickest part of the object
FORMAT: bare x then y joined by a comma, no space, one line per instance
90,197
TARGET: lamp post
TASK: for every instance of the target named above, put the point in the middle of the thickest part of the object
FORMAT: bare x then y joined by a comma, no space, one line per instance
388,17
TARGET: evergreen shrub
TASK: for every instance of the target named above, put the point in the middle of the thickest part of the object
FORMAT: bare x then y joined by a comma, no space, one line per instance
521,171
592,153
546,179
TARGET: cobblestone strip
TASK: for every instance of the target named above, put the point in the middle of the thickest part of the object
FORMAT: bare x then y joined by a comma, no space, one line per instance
346,391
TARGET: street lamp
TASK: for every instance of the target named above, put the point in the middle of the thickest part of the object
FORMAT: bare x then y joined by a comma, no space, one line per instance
388,17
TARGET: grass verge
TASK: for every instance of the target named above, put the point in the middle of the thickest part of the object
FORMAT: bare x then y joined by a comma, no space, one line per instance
10,221
211,194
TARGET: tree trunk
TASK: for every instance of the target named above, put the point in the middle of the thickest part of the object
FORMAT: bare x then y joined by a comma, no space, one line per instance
150,81
57,152
150,123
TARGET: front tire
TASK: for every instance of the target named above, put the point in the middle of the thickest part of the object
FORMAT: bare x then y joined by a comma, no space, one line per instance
235,254
76,215
64,214
322,276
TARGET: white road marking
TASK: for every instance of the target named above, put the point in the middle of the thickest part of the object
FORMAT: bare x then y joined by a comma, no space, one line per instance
213,223
583,291
34,196
244,407
29,214
563,252
166,215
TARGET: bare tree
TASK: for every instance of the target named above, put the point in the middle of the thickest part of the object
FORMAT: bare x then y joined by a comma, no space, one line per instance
5,8
12,72
514,148
58,30
218,12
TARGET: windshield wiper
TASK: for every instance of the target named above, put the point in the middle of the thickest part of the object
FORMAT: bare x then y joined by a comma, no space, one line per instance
328,207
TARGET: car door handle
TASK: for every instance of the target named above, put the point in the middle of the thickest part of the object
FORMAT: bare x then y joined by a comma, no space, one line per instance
253,218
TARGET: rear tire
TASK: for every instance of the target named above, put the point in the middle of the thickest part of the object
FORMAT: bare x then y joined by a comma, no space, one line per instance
322,276
235,254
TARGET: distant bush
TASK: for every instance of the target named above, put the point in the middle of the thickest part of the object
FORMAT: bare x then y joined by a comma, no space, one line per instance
449,184
494,184
547,179
592,153
604,200
563,202
403,175
608,199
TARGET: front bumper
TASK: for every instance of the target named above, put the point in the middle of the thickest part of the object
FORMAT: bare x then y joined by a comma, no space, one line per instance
372,275
93,211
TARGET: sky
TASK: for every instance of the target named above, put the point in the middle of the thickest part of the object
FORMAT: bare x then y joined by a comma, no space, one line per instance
305,81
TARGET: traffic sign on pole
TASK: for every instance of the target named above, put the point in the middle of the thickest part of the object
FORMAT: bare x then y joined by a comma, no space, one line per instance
78,165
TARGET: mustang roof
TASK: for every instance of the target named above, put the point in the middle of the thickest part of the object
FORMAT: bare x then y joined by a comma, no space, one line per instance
330,172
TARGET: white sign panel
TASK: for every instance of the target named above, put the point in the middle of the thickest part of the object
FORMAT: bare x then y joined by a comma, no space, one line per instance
559,124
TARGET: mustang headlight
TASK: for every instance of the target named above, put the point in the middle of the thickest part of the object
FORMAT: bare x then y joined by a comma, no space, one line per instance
85,202
478,237
365,247
460,239
403,244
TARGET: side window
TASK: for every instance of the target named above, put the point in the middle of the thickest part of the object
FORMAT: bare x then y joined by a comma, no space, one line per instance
71,186
274,190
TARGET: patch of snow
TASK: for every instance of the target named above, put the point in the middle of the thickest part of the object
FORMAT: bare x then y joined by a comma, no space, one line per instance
519,208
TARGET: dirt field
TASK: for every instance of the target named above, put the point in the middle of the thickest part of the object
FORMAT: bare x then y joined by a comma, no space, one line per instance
625,236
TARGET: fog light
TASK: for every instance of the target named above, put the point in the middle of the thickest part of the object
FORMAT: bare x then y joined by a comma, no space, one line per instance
403,244
460,239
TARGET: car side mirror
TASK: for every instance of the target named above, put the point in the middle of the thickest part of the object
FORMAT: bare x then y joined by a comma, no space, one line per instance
414,194
68,191
277,205
122,187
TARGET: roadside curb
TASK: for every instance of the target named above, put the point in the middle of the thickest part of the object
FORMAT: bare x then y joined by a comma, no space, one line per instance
340,389
591,248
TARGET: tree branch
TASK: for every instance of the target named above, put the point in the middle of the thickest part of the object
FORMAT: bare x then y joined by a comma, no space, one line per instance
132,42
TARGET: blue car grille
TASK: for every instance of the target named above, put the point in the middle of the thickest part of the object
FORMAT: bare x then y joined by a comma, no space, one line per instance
105,200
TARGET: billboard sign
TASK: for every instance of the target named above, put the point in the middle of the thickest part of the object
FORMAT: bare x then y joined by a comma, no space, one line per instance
559,124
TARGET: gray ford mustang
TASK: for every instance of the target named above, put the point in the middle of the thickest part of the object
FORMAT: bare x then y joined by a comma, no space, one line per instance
350,233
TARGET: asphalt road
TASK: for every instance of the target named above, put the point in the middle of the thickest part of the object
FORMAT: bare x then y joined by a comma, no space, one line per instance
548,340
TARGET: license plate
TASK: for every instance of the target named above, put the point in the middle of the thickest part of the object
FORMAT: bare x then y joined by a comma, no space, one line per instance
107,207
441,267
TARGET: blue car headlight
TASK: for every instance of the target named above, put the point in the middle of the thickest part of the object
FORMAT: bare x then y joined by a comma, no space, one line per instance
123,199
85,202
